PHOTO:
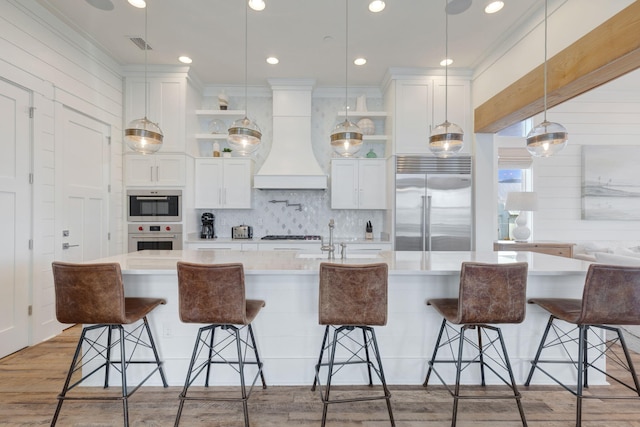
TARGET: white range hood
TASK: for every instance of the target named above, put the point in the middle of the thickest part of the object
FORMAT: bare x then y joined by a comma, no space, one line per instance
291,164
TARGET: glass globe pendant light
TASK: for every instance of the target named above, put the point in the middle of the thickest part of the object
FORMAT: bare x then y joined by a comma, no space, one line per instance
346,138
142,135
446,139
547,138
244,135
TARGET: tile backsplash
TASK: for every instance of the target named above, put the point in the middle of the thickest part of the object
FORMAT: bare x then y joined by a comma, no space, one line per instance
313,218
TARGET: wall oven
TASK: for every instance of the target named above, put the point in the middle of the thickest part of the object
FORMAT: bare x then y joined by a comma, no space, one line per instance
154,205
155,236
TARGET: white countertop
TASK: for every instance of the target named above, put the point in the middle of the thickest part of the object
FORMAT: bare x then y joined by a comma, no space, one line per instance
195,238
285,262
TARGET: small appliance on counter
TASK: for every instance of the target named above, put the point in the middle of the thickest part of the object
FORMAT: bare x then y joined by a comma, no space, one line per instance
242,232
208,226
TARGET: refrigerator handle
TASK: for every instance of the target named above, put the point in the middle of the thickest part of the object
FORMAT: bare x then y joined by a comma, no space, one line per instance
428,219
423,224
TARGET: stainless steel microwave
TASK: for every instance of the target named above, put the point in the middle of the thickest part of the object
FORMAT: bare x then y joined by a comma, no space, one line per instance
154,205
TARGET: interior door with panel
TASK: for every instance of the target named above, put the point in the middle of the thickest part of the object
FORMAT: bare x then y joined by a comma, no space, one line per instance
15,217
84,222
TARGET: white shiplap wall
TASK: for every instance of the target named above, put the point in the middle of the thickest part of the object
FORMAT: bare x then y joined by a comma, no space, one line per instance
609,116
59,67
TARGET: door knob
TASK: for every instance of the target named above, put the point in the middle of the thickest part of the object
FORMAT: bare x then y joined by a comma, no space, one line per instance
67,246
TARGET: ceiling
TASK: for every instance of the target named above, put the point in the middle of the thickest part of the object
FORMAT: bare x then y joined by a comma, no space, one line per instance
308,36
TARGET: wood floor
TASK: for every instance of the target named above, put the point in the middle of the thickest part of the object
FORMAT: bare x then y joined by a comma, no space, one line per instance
31,379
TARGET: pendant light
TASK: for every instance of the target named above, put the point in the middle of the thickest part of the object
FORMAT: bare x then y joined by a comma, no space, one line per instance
142,135
346,138
446,139
244,134
547,138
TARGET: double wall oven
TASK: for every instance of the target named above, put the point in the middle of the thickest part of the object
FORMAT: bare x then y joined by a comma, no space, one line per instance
154,218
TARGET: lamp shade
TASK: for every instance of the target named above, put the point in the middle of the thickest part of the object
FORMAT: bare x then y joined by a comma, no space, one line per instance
244,136
143,136
346,139
522,201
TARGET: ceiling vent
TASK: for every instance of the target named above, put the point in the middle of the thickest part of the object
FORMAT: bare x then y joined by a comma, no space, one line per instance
139,41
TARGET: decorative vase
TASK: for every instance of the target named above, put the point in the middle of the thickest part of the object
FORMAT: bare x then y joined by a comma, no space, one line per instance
367,126
361,103
226,154
371,154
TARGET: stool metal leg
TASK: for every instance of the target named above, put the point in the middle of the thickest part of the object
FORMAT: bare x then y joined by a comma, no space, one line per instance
255,350
211,338
322,347
387,394
482,380
123,374
534,362
516,393
152,343
627,356
435,352
65,387
366,350
243,389
108,356
456,394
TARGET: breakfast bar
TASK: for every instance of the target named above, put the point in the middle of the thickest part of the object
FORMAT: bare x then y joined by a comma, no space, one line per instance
287,329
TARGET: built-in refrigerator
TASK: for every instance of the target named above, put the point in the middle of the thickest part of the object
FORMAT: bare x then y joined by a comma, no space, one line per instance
433,209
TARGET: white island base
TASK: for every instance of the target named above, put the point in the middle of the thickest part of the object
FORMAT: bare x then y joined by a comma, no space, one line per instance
287,330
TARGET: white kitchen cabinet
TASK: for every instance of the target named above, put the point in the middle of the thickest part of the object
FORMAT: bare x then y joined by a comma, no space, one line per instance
368,247
166,99
419,106
155,170
358,184
223,183
291,246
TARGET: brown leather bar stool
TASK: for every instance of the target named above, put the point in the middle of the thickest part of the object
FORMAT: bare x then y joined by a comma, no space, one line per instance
215,295
489,294
611,297
94,294
352,298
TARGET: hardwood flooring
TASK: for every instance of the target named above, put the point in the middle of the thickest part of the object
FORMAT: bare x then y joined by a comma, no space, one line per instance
31,379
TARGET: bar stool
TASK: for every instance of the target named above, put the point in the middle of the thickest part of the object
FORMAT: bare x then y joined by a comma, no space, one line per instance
215,294
611,297
489,294
352,298
94,294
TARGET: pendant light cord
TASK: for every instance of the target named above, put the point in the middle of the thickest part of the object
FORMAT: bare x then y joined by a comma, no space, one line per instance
545,59
346,61
146,48
446,64
246,44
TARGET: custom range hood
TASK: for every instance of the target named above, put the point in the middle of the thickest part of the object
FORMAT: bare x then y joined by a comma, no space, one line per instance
291,164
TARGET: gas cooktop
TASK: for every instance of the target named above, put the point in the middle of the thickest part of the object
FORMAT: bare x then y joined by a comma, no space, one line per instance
291,237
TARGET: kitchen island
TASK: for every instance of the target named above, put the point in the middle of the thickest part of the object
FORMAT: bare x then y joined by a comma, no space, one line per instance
287,329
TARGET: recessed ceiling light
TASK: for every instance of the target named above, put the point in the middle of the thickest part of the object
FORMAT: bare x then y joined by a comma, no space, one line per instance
446,62
272,60
376,6
185,59
140,4
493,7
257,5
360,61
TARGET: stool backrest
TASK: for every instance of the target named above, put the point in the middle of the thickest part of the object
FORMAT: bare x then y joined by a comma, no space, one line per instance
492,293
611,295
212,293
89,293
353,294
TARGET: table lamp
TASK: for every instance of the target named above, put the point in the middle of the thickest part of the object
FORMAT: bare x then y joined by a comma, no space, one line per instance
521,201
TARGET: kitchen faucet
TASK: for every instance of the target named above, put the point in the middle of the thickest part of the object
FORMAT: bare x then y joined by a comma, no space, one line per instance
330,248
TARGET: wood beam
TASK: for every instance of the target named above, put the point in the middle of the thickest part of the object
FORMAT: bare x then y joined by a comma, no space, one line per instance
609,51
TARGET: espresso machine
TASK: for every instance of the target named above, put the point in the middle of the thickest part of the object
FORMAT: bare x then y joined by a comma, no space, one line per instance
208,226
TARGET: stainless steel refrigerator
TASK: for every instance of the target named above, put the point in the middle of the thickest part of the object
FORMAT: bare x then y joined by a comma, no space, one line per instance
433,210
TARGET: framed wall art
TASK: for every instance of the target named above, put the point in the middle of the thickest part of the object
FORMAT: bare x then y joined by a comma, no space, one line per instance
611,183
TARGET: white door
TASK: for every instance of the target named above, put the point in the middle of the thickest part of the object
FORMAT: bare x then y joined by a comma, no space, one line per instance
15,217
85,177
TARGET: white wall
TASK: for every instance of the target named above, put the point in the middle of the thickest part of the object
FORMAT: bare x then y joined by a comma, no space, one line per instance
49,59
609,115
